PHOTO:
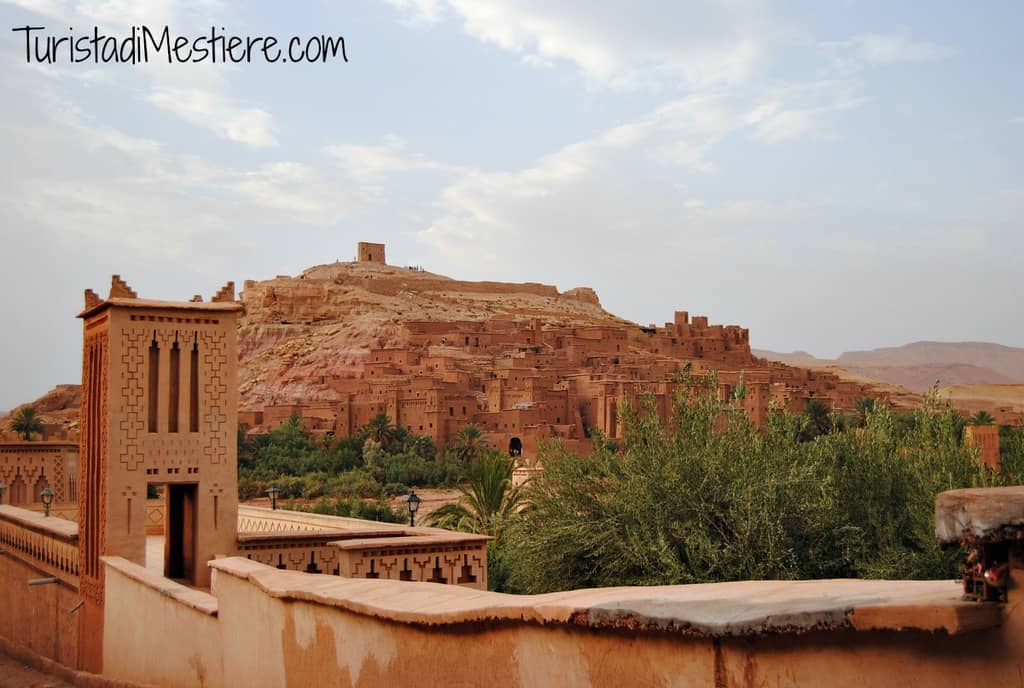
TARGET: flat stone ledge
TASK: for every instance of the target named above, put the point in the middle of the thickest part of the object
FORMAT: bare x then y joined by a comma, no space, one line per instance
979,515
202,602
711,610
51,526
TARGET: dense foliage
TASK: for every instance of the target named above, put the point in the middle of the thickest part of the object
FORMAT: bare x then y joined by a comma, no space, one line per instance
709,497
379,461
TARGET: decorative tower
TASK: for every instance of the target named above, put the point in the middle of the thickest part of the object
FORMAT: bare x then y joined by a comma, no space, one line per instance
159,408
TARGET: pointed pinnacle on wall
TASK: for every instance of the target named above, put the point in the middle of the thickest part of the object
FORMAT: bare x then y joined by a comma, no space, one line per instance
226,294
120,289
91,299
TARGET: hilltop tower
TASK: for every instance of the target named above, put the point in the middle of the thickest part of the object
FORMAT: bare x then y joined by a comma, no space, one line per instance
371,253
159,407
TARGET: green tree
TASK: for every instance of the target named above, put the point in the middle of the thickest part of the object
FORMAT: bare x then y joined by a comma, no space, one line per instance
487,500
817,420
469,444
706,496
26,423
381,430
863,408
982,417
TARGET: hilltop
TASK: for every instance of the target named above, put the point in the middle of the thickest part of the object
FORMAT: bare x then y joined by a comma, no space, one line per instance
297,331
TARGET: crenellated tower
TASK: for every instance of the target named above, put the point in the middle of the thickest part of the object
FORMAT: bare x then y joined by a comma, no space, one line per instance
159,408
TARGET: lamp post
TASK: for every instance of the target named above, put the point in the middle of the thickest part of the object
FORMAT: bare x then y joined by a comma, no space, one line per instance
413,503
47,496
273,491
3,488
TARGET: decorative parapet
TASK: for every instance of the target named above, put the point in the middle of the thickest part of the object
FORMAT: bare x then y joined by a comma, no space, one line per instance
451,558
354,548
47,543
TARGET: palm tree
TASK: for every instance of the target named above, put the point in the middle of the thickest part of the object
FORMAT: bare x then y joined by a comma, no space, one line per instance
469,443
381,430
982,417
865,406
817,420
487,501
27,422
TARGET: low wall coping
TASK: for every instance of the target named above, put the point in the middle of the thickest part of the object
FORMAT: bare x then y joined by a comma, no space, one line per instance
706,610
308,535
53,526
417,540
202,602
979,515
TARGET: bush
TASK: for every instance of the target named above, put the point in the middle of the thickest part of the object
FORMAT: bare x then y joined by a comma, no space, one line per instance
708,497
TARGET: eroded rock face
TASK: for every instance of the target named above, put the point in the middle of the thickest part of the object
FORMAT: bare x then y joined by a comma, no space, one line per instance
58,409
298,332
584,294
979,515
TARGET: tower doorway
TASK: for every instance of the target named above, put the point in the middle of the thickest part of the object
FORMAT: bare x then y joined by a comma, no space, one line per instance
180,532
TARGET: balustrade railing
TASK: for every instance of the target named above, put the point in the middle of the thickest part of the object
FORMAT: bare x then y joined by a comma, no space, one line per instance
48,543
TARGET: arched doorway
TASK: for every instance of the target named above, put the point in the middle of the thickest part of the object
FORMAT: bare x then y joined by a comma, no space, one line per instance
18,491
515,447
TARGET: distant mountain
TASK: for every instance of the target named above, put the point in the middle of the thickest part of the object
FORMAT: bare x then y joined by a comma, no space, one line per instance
918,366
795,358
1005,361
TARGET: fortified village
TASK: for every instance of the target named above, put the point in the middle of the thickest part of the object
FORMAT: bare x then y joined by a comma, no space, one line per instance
345,342
103,586
535,364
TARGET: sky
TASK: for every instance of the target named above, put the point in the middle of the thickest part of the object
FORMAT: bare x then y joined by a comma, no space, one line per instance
834,176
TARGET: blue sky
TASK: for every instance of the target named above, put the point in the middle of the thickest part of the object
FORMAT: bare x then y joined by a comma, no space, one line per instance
834,176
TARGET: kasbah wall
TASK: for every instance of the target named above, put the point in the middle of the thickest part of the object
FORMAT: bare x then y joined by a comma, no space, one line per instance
521,380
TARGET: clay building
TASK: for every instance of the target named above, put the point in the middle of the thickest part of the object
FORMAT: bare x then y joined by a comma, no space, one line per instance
371,253
523,380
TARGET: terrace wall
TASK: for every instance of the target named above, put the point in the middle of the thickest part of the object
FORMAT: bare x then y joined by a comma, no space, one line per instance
264,627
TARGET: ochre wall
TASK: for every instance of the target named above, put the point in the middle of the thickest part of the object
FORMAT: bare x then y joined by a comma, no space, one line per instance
156,632
258,639
38,617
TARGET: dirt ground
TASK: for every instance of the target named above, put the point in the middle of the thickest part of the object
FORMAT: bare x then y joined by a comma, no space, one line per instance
432,501
14,674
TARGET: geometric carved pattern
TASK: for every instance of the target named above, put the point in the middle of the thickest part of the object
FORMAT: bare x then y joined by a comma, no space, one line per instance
134,343
215,391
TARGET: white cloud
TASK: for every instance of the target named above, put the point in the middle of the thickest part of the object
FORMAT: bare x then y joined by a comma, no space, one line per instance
71,176
646,43
881,49
198,93
887,48
217,112
599,192
799,110
374,163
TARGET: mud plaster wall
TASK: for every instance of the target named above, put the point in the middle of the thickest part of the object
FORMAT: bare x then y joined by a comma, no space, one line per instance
259,640
38,617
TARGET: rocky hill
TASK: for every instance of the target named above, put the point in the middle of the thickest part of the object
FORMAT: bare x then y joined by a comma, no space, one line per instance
297,331
58,409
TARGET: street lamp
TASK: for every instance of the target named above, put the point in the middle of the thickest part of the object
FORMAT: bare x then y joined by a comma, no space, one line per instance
3,488
413,503
273,491
47,496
